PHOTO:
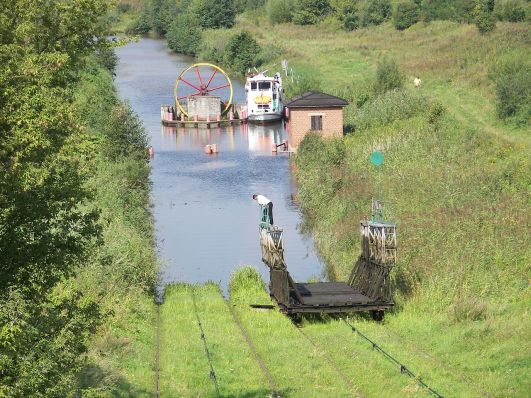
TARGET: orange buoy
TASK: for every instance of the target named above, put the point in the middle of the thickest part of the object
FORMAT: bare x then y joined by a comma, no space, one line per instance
208,149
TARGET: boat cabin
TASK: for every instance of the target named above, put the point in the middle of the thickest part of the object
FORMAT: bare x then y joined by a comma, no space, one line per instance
264,97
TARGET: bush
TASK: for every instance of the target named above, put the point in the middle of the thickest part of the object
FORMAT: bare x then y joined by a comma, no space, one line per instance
451,10
386,108
511,11
184,35
484,17
375,12
347,13
140,26
213,14
406,14
241,52
310,12
279,11
513,89
388,76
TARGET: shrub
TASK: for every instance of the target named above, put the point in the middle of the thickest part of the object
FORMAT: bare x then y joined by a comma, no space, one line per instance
406,14
388,76
513,89
483,16
107,58
213,14
393,105
310,12
452,10
184,35
510,10
241,52
140,26
347,13
123,7
375,12
279,11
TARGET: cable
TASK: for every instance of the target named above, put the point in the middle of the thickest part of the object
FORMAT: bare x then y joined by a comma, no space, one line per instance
212,372
403,368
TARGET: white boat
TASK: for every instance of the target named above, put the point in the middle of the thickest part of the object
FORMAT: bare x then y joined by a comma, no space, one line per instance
264,97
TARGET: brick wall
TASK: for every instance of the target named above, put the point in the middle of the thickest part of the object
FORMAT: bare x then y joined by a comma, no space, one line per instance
300,122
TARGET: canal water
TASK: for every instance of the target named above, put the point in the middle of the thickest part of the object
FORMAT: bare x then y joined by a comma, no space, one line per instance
206,221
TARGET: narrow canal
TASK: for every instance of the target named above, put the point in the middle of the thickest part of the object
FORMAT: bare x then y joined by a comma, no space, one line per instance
206,220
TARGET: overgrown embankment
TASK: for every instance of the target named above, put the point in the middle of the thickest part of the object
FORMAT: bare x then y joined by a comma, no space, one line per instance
76,245
123,273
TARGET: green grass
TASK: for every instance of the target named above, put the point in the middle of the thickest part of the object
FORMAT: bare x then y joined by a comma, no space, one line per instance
458,189
184,370
120,361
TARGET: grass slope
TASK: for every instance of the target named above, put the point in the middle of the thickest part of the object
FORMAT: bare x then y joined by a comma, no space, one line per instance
184,368
458,188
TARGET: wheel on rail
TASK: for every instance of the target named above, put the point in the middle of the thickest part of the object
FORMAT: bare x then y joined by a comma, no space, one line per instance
377,315
203,79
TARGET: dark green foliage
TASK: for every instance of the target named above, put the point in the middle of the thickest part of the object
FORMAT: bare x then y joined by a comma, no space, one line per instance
375,12
280,11
213,14
142,25
123,7
310,12
163,12
510,10
184,35
513,89
388,76
241,52
406,14
48,229
107,58
483,16
452,10
243,5
347,13
125,137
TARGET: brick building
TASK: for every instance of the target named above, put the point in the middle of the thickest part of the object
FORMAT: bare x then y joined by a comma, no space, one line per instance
314,111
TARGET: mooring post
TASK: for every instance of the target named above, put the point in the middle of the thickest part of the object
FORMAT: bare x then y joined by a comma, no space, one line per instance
218,119
182,120
196,122
231,117
208,121
274,148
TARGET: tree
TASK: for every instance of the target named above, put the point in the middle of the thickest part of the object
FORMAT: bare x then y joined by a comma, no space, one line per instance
375,12
241,52
213,14
388,76
347,12
483,16
310,12
280,11
46,229
184,35
406,14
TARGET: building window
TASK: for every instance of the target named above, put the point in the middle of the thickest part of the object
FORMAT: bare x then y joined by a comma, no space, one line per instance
317,122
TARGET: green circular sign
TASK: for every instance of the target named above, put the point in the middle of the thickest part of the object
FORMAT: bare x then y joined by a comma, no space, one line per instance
376,158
